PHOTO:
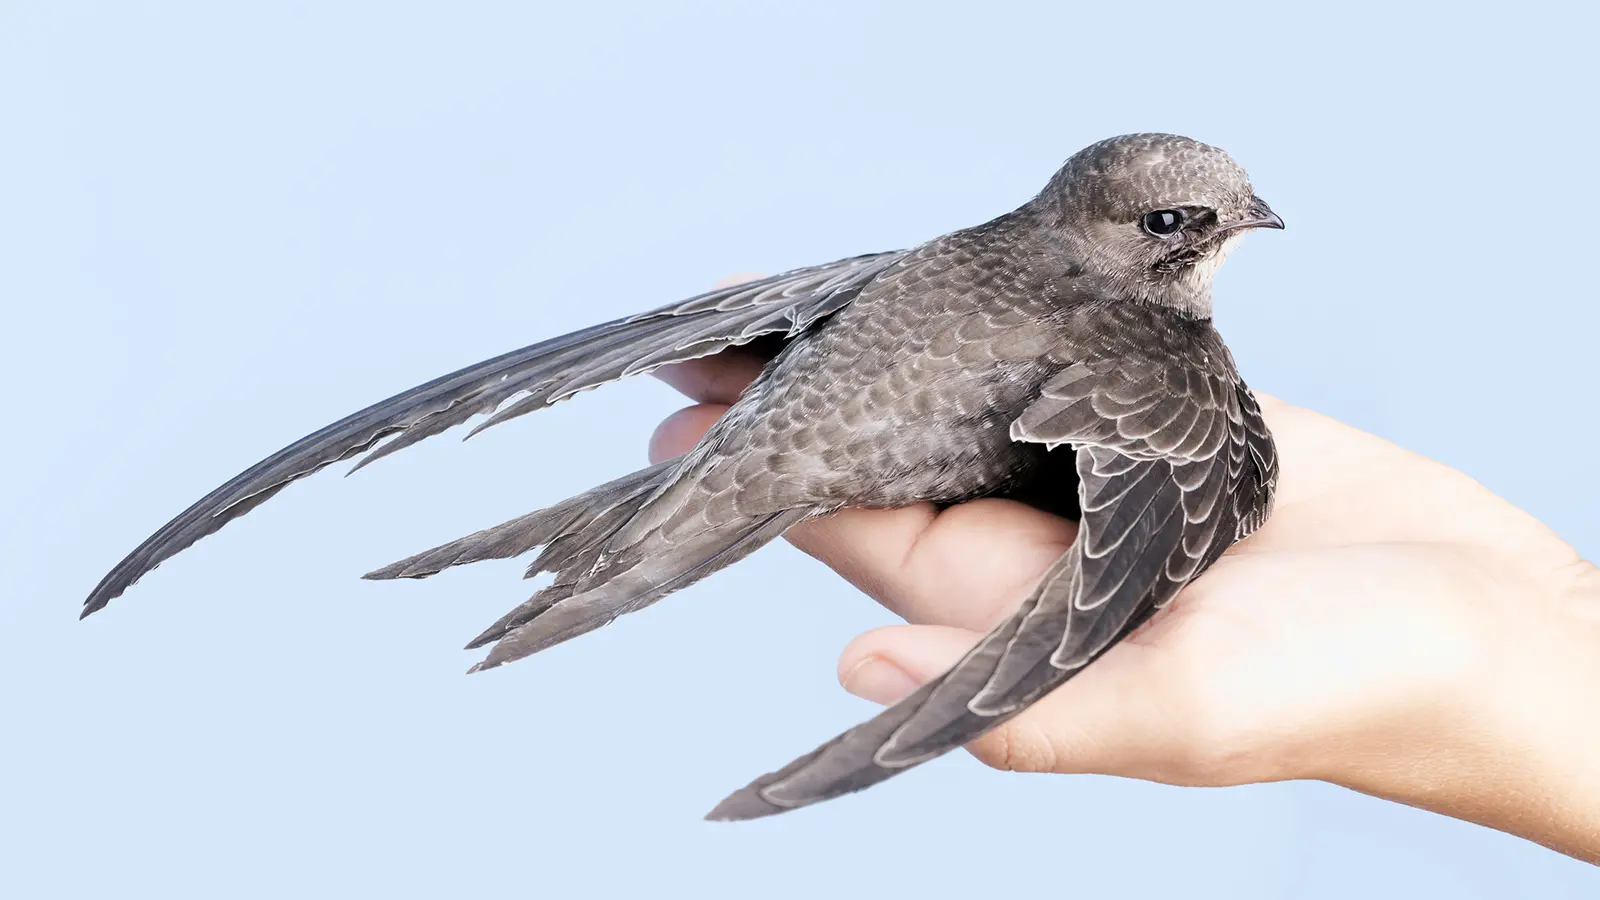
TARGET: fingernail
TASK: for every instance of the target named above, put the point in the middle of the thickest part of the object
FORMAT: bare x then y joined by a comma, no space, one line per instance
878,680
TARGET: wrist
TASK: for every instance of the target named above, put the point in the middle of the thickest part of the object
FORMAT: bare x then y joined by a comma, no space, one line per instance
1546,717
1511,740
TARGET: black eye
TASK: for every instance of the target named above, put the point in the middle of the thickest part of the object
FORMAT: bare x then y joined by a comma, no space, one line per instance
1163,222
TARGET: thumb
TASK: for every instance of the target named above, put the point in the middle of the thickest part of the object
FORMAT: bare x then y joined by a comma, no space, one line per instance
887,664
1112,719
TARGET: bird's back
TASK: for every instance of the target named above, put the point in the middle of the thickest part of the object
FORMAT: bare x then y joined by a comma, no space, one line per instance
908,393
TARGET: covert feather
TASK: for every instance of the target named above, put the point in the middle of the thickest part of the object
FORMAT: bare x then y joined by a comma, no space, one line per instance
1067,342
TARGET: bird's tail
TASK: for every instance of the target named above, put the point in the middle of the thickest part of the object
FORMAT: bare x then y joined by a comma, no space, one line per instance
595,581
563,530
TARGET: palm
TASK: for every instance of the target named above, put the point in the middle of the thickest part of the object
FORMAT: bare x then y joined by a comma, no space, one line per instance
1271,647
1277,643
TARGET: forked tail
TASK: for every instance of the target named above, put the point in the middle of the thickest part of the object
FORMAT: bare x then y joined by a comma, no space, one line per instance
595,581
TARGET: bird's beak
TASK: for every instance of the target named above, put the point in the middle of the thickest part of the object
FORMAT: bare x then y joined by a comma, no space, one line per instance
1259,216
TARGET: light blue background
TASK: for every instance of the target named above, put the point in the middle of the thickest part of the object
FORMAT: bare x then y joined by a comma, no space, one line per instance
223,225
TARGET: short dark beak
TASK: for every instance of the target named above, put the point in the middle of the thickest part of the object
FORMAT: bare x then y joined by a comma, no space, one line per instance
1259,216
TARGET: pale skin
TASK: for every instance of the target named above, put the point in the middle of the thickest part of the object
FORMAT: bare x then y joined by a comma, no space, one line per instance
1395,628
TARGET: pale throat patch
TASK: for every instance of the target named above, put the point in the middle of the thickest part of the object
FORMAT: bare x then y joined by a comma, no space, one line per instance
1202,272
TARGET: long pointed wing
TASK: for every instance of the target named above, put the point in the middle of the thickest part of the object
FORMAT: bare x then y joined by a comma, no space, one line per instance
546,373
1173,468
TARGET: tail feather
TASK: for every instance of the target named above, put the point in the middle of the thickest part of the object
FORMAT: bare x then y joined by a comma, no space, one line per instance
547,372
553,526
565,585
580,550
597,578
645,573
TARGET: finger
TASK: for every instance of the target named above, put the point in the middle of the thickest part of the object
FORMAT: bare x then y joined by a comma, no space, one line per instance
969,565
1112,719
714,379
678,433
721,377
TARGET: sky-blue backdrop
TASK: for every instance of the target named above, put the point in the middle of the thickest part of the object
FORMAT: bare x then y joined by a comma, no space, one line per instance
224,225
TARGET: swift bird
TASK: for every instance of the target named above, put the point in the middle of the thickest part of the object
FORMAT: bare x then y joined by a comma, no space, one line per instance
950,371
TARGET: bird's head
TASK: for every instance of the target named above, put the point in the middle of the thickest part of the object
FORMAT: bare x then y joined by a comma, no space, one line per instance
1154,215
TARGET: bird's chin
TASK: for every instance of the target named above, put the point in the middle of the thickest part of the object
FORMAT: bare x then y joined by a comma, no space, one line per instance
1216,252
1187,285
1200,261
1208,258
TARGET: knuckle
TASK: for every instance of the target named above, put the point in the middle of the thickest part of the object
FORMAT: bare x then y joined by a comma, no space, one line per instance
1017,746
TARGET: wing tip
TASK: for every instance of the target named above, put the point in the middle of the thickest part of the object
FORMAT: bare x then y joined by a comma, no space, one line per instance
427,563
401,569
743,805
106,591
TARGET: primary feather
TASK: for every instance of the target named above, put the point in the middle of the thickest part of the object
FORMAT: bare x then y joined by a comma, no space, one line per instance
547,372
1061,353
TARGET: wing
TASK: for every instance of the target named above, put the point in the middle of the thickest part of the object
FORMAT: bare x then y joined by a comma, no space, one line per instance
1170,473
546,373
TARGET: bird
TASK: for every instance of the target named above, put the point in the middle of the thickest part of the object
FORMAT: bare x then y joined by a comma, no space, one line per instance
1063,351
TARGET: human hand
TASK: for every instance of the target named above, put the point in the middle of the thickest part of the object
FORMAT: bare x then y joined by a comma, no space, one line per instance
1394,628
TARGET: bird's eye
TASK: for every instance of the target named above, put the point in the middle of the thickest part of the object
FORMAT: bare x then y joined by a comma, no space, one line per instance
1163,222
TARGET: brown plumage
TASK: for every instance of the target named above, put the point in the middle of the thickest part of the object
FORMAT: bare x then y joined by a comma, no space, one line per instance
1068,341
